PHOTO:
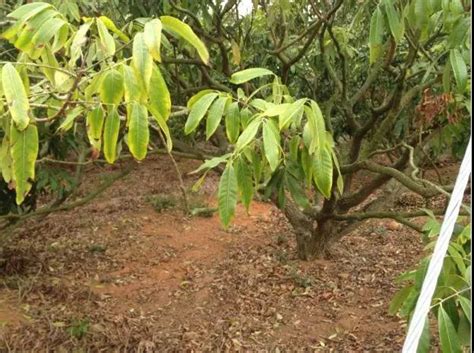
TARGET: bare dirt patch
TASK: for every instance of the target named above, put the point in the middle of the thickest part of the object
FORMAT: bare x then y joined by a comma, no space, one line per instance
116,275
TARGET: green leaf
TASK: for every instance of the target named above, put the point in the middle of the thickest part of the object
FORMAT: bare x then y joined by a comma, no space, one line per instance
142,61
111,132
466,307
377,31
138,132
106,41
448,337
271,144
249,74
232,122
152,38
197,97
15,94
95,125
248,134
425,338
293,111
398,299
394,21
163,126
112,87
48,58
457,37
24,151
5,160
459,69
47,31
132,91
323,171
71,116
24,42
214,117
244,182
316,132
276,109
27,11
211,163
198,111
160,97
181,29
113,28
227,195
296,190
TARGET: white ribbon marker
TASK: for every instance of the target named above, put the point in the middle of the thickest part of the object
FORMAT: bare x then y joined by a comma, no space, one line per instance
429,284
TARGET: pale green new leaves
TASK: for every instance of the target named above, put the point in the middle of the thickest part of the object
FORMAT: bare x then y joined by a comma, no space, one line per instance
227,195
181,29
112,87
377,31
152,38
198,111
24,150
15,93
142,61
249,74
138,133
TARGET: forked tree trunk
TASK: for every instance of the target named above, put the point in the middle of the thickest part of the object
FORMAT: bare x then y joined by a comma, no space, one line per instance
312,238
315,243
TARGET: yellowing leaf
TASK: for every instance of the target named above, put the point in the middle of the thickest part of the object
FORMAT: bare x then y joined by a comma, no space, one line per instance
323,171
131,87
152,38
95,124
111,90
111,132
15,94
377,27
106,42
160,97
142,61
24,151
112,27
235,53
138,132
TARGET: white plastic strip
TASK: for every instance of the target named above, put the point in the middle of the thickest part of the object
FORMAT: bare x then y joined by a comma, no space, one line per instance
429,284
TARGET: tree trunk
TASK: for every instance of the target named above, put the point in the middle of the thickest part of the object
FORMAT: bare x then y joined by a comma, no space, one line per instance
315,243
312,238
